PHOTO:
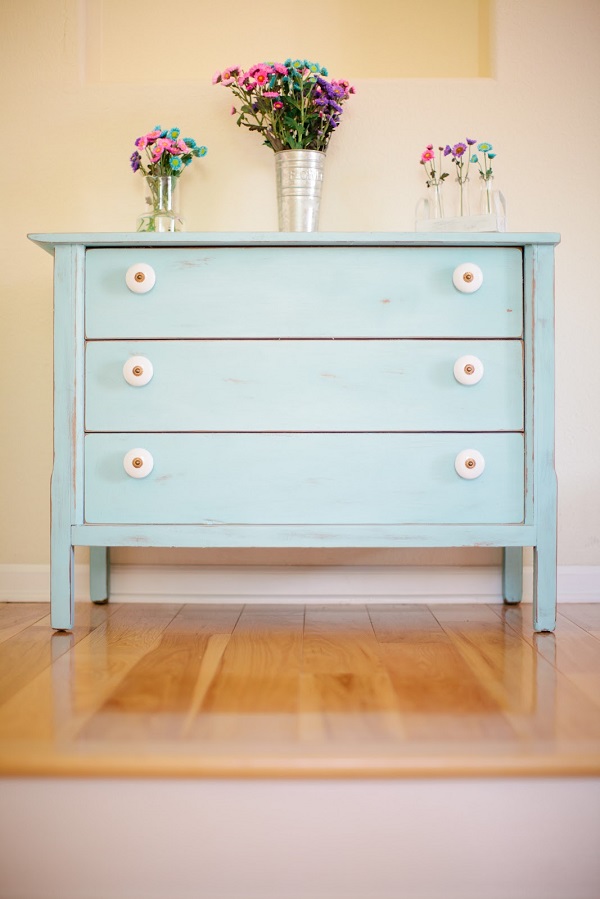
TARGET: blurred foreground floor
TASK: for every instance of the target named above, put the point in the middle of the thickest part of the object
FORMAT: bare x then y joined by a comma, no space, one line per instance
299,691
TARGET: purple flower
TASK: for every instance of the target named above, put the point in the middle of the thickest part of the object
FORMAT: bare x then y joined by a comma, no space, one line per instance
471,141
458,150
447,150
135,160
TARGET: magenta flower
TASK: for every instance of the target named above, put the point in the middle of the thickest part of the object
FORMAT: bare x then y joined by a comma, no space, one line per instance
428,155
291,118
166,153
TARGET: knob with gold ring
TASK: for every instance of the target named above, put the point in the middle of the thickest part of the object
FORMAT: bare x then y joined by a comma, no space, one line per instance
140,277
468,370
469,464
138,462
467,277
138,370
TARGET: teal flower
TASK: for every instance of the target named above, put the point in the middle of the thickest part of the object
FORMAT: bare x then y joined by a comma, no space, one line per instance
189,142
174,133
491,155
474,157
199,151
176,163
484,148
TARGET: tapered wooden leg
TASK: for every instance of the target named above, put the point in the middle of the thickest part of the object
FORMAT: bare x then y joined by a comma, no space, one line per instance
512,574
544,564
99,574
62,586
544,586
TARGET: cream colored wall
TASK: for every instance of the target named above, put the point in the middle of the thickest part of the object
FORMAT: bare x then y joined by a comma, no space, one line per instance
67,137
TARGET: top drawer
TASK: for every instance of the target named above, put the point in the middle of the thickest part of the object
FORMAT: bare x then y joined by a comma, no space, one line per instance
304,292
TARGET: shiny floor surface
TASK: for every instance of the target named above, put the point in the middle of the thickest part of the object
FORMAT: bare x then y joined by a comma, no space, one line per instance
299,691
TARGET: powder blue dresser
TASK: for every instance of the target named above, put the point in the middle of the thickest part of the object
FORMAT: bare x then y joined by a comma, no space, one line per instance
306,390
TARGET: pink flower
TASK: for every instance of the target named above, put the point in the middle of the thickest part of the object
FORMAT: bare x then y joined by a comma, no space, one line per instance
233,110
277,104
427,155
271,94
280,69
216,78
261,76
152,135
141,142
228,76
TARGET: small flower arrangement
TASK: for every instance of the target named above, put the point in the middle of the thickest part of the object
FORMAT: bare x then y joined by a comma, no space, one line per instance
485,169
166,152
462,155
292,105
459,159
435,175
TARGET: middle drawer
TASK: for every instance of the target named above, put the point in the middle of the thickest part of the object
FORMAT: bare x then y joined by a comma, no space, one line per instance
304,385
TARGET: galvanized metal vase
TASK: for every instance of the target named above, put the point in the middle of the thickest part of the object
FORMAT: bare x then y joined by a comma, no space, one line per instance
299,176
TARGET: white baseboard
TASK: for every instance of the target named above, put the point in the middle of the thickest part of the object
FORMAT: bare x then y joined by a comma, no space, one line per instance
298,584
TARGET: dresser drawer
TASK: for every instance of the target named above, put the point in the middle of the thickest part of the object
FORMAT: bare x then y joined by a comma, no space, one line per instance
303,479
303,385
302,292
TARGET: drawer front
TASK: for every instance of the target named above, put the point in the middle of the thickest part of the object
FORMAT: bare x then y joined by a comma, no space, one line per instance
304,292
304,385
303,479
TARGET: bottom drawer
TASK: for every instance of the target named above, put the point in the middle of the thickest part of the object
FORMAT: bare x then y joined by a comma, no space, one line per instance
303,479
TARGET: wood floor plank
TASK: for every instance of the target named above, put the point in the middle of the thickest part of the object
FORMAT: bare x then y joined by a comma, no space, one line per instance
406,624
16,616
58,700
156,694
280,691
36,647
586,615
340,640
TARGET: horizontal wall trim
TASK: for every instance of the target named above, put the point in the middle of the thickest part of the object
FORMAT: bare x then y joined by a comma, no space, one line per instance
298,584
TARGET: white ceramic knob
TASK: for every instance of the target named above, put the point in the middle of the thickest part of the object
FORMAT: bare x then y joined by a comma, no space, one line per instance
469,464
140,277
138,463
138,370
468,370
467,277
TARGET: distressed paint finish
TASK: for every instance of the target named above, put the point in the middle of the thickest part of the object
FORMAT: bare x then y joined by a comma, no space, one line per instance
67,473
304,292
541,271
307,385
304,479
391,484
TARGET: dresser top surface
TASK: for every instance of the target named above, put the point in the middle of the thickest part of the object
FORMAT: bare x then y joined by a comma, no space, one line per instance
279,239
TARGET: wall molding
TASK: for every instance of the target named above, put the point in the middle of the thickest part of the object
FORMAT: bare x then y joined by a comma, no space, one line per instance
298,584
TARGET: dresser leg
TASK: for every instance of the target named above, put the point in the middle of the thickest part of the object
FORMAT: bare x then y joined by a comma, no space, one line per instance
512,574
544,586
99,574
62,588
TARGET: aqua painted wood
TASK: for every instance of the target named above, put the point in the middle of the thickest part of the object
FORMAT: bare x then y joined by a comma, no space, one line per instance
303,395
303,479
316,385
304,292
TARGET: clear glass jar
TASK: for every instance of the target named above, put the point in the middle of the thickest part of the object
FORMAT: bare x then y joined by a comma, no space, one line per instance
160,198
463,200
492,202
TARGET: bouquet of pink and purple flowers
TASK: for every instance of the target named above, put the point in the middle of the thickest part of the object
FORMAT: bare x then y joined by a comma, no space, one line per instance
292,105
166,152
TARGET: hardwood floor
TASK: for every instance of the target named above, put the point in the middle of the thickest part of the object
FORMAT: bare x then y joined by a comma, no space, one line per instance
294,691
